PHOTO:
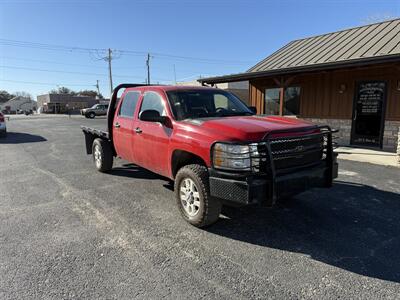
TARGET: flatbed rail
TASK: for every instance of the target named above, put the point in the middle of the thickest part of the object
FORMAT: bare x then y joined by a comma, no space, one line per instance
91,134
97,132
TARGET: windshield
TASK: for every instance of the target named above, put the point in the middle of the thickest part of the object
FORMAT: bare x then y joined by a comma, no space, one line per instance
195,104
94,106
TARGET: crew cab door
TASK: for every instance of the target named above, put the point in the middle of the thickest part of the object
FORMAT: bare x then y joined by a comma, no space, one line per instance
152,138
123,134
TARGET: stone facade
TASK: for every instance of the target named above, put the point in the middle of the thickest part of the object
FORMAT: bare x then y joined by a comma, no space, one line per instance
398,147
343,125
391,135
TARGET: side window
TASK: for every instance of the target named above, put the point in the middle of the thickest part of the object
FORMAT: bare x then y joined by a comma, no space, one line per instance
128,105
153,101
221,101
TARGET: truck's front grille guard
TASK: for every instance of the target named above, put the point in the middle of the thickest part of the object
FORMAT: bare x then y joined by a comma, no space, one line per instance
264,157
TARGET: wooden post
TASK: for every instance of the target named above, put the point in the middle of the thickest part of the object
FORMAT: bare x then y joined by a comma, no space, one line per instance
281,84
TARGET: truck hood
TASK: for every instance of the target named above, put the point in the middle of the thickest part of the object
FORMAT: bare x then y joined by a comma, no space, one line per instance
248,127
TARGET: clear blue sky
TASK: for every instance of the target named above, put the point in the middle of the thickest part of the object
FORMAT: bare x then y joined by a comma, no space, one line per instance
231,35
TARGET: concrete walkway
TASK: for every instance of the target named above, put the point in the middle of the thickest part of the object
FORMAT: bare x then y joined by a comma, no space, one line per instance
369,156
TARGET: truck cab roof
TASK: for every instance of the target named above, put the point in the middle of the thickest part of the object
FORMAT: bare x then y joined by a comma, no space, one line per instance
167,88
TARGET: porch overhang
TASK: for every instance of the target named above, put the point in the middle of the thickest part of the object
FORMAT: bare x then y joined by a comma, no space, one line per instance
354,63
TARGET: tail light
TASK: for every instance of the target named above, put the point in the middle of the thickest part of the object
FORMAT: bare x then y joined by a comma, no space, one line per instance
1,118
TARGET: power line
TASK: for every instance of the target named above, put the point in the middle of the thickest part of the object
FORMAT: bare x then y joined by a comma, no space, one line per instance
53,47
103,52
63,72
49,62
45,83
192,58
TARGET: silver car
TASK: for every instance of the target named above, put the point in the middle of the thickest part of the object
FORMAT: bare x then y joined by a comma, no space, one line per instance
95,110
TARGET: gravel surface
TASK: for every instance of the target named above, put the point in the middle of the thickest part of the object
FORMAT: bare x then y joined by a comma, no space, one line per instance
67,231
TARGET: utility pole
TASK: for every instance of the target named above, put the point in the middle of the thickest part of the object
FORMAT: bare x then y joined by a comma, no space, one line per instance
98,87
109,69
174,74
148,68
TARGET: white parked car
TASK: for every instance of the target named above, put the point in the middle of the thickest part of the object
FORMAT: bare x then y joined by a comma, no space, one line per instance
3,128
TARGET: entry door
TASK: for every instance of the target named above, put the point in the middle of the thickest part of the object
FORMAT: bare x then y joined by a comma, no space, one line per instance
152,138
369,113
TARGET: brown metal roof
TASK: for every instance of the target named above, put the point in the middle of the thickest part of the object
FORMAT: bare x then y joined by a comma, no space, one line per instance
365,44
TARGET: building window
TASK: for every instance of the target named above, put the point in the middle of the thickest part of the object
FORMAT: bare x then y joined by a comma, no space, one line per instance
291,101
291,105
272,97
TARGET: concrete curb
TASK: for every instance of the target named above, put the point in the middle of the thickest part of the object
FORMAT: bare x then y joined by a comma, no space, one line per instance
369,156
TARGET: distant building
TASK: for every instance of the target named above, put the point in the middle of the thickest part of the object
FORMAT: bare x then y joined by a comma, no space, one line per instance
104,101
62,103
18,103
240,89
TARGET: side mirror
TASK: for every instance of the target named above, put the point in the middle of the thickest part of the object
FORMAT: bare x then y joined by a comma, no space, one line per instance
152,115
253,109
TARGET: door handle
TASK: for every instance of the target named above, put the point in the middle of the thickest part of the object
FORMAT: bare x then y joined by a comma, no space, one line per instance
117,125
138,130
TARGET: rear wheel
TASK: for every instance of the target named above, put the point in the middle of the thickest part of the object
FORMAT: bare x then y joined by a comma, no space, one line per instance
102,155
193,196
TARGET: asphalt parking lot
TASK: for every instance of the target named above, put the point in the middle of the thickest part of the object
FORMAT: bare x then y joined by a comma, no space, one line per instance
67,231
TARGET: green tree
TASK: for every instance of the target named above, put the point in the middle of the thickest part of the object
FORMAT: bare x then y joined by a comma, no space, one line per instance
5,96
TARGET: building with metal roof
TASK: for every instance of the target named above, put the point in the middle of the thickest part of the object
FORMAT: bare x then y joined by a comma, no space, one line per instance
62,103
349,79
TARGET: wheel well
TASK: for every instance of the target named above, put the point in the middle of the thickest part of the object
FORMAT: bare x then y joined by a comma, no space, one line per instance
182,158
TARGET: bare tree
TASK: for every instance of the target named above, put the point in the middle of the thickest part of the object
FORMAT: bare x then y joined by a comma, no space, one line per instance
62,90
24,95
90,93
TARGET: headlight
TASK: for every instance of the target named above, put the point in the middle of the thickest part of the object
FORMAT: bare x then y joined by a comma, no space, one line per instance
233,157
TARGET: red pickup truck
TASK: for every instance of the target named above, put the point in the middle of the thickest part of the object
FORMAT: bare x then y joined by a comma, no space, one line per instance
215,148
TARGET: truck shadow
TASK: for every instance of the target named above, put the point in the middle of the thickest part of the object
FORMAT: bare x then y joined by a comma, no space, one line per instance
21,138
351,226
133,171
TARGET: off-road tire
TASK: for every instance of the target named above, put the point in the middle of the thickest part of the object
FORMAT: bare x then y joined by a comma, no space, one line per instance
102,148
210,208
91,115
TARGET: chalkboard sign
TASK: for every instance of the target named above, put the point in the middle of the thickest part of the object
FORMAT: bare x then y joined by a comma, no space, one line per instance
370,98
368,113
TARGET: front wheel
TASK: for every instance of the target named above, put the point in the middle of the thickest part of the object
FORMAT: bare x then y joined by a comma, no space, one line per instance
102,155
193,196
91,115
